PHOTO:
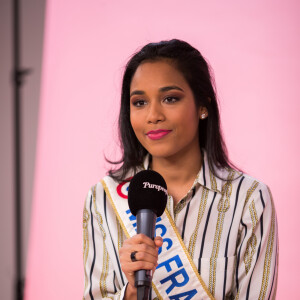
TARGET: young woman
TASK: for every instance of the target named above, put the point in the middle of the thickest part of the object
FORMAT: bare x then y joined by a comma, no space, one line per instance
221,220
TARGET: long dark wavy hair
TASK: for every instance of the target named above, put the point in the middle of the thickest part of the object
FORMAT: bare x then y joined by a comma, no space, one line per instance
196,72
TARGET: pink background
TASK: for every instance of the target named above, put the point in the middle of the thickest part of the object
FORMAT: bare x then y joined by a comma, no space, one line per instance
254,51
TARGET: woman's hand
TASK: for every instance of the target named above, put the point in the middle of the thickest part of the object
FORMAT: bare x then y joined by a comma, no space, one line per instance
146,257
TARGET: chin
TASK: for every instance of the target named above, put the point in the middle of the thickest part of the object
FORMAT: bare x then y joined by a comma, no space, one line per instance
162,153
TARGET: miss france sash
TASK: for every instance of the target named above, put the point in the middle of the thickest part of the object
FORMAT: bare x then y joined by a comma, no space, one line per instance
176,276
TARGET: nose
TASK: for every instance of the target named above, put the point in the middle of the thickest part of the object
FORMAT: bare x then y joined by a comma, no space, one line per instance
155,113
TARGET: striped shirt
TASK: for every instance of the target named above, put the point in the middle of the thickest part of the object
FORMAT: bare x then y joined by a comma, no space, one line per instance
228,226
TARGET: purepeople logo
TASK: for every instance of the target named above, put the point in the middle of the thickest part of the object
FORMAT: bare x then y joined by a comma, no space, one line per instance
154,186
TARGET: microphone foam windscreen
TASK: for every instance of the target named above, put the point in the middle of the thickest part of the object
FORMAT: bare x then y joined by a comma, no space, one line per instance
147,190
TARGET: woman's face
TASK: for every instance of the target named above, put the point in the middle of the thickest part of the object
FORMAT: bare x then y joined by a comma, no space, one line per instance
163,112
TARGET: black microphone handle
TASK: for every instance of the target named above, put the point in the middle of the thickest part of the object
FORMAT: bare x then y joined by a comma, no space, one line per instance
145,220
143,292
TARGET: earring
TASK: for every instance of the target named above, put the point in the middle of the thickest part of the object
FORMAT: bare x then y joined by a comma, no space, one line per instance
203,116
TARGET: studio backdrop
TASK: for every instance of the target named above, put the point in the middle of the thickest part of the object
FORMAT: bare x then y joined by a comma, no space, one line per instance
253,48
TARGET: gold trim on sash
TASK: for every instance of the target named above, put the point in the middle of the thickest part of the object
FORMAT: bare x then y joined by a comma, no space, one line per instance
188,255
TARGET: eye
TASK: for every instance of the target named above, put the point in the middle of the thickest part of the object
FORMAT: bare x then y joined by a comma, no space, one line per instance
171,99
139,103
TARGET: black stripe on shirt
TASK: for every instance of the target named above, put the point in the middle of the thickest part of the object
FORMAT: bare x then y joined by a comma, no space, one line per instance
227,242
261,223
94,258
184,221
114,280
262,199
186,213
204,180
248,289
117,257
204,233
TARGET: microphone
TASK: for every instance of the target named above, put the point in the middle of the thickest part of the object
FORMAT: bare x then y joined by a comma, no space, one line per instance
147,200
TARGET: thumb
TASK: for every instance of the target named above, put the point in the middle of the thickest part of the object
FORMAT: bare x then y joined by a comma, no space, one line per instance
158,241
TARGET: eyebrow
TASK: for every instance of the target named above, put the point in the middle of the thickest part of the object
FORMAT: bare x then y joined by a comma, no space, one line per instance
163,89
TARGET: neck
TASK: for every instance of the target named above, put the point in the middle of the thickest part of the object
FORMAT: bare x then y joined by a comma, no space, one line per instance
179,172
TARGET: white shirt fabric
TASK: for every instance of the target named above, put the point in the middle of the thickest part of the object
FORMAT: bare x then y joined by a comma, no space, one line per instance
228,226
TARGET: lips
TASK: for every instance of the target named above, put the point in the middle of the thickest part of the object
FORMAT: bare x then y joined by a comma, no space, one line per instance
157,134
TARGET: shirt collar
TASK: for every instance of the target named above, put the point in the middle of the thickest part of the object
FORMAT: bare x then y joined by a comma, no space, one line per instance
207,179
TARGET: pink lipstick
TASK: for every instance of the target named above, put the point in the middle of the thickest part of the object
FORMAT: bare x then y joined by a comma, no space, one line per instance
157,134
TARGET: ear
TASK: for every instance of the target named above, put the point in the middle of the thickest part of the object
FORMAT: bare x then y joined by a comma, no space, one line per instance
202,112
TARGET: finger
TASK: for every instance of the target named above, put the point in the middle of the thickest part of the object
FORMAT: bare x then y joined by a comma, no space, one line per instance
146,257
130,268
158,238
146,249
141,265
158,241
131,243
142,253
142,239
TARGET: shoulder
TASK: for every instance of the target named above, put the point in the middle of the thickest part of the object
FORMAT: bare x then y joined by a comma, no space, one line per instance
95,190
97,193
247,192
256,196
240,182
97,201
252,185
94,198
106,188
